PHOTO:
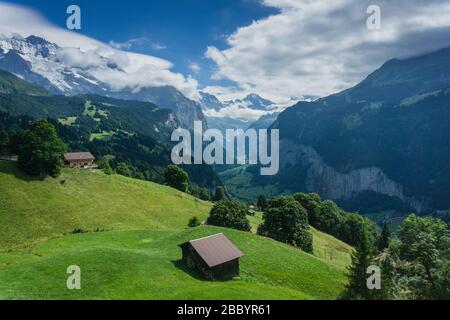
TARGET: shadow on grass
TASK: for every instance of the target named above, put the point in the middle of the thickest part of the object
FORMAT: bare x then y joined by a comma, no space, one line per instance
10,167
194,273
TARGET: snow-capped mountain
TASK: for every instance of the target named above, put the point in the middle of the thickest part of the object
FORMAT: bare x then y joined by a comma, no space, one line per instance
252,111
71,71
36,60
210,102
252,102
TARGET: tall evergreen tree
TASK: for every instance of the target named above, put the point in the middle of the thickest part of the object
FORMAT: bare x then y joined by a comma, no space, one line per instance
362,258
383,241
220,194
262,203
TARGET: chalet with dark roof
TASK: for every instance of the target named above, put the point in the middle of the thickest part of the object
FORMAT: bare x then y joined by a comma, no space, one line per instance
215,257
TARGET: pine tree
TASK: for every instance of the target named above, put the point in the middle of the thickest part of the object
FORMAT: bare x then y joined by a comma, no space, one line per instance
219,194
361,260
383,241
262,203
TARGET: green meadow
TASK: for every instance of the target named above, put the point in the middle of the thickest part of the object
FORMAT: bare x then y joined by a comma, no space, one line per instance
124,235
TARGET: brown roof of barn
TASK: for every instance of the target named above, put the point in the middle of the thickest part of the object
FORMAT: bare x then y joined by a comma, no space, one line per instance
78,156
216,250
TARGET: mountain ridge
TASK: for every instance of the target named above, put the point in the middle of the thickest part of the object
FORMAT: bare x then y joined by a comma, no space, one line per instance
54,68
392,126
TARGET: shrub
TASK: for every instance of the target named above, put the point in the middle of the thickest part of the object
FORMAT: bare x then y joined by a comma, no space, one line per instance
123,169
229,214
104,165
194,222
204,194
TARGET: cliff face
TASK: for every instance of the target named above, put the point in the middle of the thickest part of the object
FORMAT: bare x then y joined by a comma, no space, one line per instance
327,182
387,135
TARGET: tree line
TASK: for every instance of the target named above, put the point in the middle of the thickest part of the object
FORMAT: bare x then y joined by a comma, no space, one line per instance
414,263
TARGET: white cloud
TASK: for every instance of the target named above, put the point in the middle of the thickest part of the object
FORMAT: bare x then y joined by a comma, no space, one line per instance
320,47
134,70
73,57
194,67
129,43
158,46
235,112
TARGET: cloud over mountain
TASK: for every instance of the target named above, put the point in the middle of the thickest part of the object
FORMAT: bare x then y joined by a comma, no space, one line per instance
320,47
132,70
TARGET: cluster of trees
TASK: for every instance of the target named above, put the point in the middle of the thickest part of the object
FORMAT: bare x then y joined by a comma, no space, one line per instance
177,178
40,151
173,176
287,219
328,217
414,266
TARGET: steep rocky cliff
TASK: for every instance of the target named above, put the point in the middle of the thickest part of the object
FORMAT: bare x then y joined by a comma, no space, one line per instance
331,184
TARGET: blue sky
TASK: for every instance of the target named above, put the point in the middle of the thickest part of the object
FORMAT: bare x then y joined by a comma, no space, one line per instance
177,30
283,50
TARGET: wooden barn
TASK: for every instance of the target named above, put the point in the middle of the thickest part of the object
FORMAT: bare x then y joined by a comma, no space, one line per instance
214,256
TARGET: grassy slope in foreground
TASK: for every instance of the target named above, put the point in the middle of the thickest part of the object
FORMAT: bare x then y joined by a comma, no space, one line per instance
128,264
145,265
34,210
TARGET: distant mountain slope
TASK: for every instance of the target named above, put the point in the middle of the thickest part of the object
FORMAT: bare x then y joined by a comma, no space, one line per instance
137,133
10,84
388,136
167,97
143,117
265,121
38,61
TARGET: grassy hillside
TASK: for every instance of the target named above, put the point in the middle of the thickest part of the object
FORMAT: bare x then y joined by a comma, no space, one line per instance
145,265
33,210
131,250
